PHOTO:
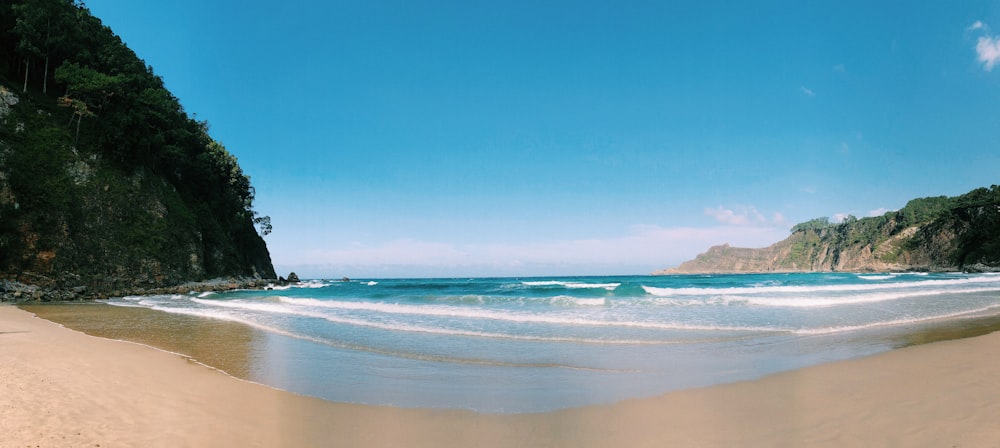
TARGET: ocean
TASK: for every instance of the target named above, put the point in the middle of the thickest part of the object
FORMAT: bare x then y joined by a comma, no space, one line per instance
512,345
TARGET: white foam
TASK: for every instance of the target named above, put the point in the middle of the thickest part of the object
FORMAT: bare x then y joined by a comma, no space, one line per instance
283,309
276,308
125,304
311,284
877,277
827,301
446,311
575,301
544,283
308,284
889,323
372,283
676,302
206,294
214,314
669,292
574,285
802,301
268,307
349,346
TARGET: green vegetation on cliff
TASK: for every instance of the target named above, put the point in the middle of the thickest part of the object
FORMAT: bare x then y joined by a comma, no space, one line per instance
105,182
935,233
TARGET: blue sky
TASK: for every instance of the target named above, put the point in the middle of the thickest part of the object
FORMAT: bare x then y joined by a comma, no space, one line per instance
468,138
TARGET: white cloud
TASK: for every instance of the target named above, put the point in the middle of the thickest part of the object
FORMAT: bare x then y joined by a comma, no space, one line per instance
728,217
987,46
988,51
840,217
744,216
879,211
807,91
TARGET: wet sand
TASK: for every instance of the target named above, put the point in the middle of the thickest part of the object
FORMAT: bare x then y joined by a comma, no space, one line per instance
59,387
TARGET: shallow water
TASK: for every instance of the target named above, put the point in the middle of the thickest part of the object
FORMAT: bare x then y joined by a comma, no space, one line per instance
525,345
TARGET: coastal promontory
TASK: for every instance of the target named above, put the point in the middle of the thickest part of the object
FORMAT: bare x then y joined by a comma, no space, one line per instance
959,233
107,186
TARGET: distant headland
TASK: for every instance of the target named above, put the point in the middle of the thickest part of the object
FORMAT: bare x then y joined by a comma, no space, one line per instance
941,233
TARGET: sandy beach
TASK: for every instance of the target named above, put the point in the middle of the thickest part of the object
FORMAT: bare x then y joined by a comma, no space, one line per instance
60,387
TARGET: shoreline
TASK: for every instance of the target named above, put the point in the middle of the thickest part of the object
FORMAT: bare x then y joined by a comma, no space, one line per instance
16,292
68,388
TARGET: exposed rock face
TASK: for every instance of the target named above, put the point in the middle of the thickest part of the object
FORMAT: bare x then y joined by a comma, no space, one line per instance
11,291
801,252
961,233
74,225
107,185
8,99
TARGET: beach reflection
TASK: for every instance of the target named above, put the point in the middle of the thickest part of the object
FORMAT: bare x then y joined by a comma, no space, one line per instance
949,330
228,346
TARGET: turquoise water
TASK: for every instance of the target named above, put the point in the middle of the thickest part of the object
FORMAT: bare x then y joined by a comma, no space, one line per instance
537,344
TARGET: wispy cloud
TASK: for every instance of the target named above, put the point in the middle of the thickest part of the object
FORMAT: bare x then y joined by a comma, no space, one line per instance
879,211
779,219
729,217
744,216
639,249
988,51
807,91
987,46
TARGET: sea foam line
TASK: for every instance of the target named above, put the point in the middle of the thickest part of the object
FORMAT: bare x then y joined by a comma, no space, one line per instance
877,277
480,299
221,315
442,311
889,323
803,301
668,292
814,302
573,285
281,309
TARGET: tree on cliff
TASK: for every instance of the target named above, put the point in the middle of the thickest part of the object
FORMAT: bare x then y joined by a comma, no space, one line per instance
933,233
813,224
44,27
111,120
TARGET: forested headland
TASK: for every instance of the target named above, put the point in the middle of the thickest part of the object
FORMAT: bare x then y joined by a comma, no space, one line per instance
960,233
107,185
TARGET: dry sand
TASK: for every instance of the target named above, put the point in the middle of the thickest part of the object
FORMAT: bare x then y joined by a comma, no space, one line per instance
59,387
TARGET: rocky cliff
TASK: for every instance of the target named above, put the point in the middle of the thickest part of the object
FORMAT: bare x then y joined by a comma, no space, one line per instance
106,185
929,234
